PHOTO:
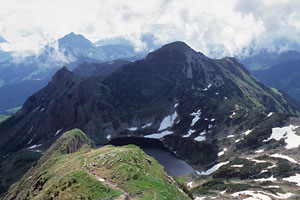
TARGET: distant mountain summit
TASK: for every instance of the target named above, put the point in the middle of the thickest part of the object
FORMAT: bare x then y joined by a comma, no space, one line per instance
32,73
79,46
73,40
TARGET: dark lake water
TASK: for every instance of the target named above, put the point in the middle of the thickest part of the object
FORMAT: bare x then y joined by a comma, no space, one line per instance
153,147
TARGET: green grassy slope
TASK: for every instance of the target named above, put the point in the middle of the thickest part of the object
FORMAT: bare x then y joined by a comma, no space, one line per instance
71,169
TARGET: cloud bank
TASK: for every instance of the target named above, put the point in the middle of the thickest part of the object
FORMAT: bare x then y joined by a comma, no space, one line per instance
216,28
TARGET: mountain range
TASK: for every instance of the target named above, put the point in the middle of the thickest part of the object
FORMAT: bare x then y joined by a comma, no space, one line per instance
31,73
283,76
276,69
265,59
209,112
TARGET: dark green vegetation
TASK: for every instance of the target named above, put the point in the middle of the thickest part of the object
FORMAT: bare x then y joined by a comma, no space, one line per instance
3,117
80,185
7,113
14,166
211,186
76,173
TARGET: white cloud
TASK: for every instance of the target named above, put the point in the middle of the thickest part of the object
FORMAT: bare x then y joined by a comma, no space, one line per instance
215,27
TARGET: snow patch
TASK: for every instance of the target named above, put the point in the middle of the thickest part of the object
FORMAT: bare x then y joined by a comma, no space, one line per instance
276,155
236,141
288,134
159,135
238,166
34,146
293,179
222,152
203,133
108,137
132,129
230,136
147,125
247,132
271,166
209,86
189,184
260,151
30,141
196,117
266,179
273,186
259,161
57,132
223,192
232,115
200,198
200,138
168,121
270,114
189,133
212,169
42,109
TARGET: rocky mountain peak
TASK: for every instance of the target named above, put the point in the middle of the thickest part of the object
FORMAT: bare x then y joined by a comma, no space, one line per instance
176,46
62,74
75,41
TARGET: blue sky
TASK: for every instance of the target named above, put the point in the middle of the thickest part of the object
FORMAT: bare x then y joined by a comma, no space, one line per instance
215,27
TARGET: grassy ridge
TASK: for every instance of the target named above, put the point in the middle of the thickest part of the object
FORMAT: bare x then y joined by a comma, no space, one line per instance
70,169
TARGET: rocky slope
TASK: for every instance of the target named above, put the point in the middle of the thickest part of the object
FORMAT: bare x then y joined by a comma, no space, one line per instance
99,69
269,172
